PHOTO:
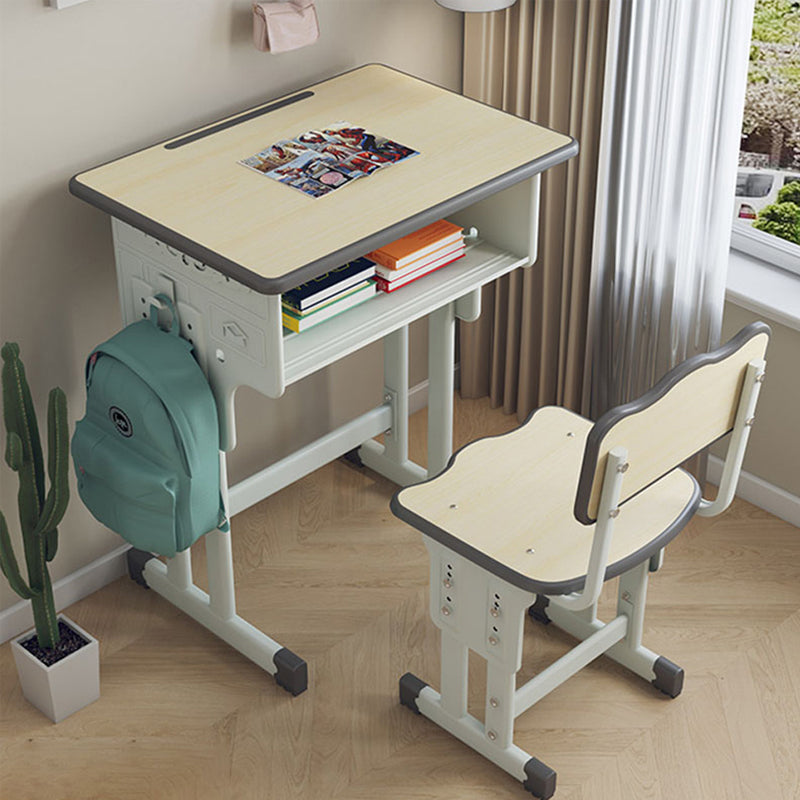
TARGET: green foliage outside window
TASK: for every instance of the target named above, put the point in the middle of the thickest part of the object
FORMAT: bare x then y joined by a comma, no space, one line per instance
780,219
790,193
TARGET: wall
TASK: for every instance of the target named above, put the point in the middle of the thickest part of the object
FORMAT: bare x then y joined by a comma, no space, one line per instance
773,450
87,84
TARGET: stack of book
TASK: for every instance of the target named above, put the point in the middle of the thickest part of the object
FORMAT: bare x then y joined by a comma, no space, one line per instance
328,295
417,254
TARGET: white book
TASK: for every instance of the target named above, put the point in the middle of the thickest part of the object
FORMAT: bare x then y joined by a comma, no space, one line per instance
408,277
301,322
451,250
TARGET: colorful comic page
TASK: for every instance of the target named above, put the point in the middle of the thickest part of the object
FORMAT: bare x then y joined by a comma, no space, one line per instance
274,156
319,161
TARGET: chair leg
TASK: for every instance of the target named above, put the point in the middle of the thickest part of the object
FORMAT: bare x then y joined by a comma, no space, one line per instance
482,613
454,677
632,594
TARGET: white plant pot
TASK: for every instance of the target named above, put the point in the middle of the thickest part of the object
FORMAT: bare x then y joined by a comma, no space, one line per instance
64,687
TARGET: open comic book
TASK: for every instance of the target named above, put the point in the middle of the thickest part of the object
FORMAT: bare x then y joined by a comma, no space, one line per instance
317,162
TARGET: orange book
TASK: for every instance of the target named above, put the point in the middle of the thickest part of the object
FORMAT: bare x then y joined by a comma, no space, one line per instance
415,245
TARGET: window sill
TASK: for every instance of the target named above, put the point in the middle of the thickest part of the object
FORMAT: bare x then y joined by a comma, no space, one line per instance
764,289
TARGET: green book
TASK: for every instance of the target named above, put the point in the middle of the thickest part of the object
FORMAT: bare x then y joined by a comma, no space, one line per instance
298,322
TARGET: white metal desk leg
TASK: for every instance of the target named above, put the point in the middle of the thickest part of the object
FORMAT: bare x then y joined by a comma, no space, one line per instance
395,383
179,569
222,596
391,458
441,352
217,610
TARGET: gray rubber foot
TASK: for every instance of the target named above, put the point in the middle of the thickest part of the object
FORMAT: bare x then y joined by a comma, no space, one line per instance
352,457
537,610
410,687
669,677
655,562
292,673
541,780
136,562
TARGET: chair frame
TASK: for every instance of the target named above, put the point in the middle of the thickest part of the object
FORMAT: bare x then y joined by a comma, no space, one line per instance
477,610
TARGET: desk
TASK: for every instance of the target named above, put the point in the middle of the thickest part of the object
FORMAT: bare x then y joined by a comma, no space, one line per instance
223,242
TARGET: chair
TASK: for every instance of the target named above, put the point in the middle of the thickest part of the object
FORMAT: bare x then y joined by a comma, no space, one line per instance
537,519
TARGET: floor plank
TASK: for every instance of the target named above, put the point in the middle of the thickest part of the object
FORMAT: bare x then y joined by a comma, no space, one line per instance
325,568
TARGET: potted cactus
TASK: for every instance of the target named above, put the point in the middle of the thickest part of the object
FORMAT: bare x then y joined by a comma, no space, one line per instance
58,665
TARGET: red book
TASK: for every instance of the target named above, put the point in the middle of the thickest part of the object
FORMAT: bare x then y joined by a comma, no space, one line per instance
390,286
443,256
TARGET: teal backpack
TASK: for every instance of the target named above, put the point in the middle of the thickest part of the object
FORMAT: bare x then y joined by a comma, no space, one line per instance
146,453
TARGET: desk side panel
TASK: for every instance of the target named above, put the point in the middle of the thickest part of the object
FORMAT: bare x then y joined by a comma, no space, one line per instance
508,219
236,333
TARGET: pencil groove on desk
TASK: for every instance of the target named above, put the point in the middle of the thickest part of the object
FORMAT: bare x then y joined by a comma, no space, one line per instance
221,126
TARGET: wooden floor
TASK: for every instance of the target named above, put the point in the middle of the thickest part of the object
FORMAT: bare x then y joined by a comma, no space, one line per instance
326,569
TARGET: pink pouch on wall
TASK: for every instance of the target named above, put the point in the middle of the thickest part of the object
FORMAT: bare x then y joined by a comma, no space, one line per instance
278,26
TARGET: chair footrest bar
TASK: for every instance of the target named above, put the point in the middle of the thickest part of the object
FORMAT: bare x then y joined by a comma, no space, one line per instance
639,660
566,666
238,633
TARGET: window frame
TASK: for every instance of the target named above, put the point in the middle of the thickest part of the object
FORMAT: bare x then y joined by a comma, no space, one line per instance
779,252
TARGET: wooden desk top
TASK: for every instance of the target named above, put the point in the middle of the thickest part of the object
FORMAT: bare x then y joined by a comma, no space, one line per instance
191,193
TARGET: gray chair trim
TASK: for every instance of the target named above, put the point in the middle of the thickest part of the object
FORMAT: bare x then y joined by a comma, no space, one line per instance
523,581
601,428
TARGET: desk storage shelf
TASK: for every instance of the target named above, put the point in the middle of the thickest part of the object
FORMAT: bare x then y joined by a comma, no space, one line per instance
322,345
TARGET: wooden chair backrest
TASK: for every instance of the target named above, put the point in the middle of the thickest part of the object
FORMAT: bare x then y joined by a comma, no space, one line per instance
693,405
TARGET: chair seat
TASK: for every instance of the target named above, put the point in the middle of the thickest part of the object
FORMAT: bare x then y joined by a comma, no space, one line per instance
505,502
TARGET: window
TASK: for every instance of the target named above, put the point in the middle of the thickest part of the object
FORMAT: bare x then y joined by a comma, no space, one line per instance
767,209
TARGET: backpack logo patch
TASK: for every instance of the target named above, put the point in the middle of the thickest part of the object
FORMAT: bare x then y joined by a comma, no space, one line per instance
121,421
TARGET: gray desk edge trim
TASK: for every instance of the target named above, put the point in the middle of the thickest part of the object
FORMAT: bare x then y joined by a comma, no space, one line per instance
331,260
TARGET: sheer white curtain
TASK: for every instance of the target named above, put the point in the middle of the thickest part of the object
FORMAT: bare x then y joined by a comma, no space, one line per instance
672,106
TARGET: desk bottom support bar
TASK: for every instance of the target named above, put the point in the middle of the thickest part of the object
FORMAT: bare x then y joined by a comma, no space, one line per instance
290,670
282,473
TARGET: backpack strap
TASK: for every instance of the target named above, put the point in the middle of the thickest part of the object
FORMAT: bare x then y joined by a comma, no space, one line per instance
156,303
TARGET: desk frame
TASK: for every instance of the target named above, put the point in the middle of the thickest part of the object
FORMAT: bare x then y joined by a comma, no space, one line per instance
232,316
146,266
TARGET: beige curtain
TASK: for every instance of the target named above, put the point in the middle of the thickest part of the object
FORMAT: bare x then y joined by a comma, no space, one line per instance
542,60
